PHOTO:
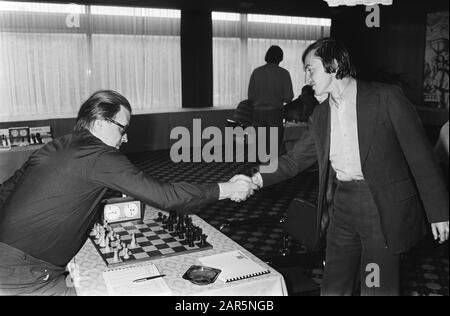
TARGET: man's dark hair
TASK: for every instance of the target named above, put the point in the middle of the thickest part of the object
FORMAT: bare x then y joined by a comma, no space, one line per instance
274,55
102,104
328,50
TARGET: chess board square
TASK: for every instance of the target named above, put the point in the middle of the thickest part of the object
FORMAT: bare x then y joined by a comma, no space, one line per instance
166,251
147,234
174,244
162,236
136,250
155,253
145,230
179,249
149,248
141,239
155,237
162,246
160,232
141,255
118,229
145,244
141,226
157,242
169,239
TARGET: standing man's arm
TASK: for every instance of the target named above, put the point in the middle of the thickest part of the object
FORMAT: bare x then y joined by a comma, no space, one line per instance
422,163
302,156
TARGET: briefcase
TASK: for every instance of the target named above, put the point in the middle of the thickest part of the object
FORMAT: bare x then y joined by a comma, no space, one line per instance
301,223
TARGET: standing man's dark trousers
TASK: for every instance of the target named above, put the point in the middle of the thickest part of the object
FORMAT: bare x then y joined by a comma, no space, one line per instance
355,244
270,118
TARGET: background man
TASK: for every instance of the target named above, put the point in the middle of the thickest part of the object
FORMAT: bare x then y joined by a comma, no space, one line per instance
269,88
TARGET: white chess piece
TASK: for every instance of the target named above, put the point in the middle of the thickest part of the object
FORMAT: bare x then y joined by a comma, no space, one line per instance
126,256
116,256
133,243
102,241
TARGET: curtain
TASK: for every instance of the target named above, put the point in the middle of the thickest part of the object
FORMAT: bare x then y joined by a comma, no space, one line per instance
54,56
240,42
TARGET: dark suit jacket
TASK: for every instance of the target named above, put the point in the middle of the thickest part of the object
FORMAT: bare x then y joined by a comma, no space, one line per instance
396,159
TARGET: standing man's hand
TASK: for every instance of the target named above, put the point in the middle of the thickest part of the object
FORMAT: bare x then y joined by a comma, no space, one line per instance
440,231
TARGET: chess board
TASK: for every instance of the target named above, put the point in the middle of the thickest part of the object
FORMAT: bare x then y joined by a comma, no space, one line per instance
153,242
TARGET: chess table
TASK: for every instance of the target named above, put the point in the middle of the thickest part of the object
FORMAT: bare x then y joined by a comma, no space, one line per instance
87,267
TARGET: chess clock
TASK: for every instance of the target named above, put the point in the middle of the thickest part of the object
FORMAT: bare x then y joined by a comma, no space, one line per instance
19,136
122,209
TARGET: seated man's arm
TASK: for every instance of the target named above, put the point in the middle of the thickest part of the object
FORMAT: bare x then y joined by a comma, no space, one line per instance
7,187
115,171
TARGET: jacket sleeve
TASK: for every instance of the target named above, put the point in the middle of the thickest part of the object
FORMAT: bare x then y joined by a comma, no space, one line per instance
419,155
7,187
302,156
113,170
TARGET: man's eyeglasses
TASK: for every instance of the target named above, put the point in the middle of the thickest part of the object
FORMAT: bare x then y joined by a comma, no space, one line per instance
124,128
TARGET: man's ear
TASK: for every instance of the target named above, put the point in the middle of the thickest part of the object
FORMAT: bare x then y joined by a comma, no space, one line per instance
335,66
98,124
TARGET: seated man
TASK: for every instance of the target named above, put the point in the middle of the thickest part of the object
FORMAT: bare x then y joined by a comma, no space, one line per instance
49,206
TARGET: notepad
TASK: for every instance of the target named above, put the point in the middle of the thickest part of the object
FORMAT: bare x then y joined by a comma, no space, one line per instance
119,281
235,265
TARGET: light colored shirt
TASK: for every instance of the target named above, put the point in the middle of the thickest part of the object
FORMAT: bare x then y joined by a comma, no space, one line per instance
344,147
270,86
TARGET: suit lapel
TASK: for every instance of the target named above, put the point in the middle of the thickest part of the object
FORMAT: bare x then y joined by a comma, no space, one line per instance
367,102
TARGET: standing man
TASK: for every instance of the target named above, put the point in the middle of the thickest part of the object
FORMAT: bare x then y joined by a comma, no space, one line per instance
269,88
369,141
49,206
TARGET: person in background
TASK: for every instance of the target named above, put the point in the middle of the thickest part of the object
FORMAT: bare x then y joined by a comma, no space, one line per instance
49,205
270,87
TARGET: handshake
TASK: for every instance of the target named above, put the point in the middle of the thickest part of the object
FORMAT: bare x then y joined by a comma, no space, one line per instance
240,187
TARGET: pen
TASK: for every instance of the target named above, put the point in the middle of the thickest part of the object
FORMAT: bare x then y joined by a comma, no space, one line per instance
149,278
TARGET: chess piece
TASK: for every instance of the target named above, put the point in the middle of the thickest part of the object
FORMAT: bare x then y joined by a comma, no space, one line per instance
116,256
107,248
102,241
126,256
123,251
133,243
159,219
203,240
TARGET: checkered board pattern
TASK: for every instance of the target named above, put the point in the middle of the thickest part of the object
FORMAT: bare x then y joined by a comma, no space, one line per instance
153,241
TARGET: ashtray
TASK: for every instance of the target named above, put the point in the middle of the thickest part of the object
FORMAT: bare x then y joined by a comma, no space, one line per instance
201,275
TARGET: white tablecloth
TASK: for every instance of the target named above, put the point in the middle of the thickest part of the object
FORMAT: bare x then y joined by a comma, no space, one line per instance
87,267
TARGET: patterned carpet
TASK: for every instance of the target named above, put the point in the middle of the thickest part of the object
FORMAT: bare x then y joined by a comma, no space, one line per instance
424,269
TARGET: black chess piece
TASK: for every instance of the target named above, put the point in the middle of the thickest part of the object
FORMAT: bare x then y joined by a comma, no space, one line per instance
159,219
203,240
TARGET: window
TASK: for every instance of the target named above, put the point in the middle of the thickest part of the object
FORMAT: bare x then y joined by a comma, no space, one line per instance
240,42
54,56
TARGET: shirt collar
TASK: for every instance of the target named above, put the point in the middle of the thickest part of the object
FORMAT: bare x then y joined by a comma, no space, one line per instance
348,92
